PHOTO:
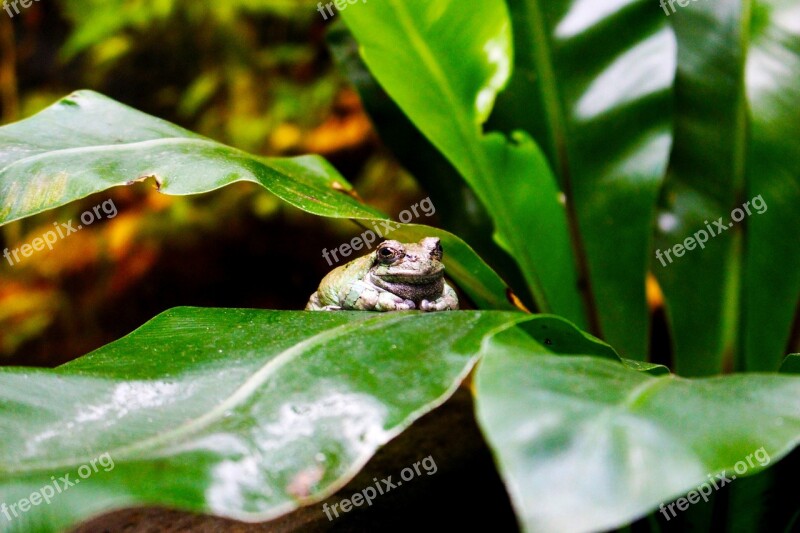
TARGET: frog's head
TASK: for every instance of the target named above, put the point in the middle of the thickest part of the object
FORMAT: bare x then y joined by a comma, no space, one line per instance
410,270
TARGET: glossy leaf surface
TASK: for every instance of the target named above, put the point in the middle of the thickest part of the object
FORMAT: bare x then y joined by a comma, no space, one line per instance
240,413
734,181
592,84
585,444
410,47
86,143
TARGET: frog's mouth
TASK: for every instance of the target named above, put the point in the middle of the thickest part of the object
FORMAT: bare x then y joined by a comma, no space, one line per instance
412,285
413,277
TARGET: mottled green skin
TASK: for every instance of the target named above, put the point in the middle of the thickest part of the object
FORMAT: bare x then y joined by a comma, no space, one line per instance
395,277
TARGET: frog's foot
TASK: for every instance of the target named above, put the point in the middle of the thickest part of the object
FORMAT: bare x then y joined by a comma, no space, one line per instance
390,302
314,304
364,297
436,305
448,301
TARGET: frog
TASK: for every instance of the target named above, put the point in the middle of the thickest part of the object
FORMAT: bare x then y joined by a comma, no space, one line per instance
394,277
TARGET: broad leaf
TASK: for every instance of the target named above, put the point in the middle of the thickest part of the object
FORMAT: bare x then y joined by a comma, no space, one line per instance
459,211
737,138
562,337
86,143
705,171
409,46
241,413
648,368
771,284
592,83
593,445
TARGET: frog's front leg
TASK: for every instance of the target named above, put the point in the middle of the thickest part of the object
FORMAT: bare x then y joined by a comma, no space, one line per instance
314,304
367,297
448,301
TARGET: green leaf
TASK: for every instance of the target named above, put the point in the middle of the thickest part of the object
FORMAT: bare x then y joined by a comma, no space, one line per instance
86,143
705,170
585,444
737,137
241,413
647,368
409,47
771,286
414,151
560,336
457,207
592,84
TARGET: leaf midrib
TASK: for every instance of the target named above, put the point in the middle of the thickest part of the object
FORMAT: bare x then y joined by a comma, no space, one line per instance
110,147
471,136
235,399
543,61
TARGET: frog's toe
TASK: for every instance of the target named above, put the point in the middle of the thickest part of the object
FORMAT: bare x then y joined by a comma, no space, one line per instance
390,302
406,305
438,305
314,304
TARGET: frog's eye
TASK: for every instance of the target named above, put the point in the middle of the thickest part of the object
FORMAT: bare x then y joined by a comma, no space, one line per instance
387,254
434,247
437,252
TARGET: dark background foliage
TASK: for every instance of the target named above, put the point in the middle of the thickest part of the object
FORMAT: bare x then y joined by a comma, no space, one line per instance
256,75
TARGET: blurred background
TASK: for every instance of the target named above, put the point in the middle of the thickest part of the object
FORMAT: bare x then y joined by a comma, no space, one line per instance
255,74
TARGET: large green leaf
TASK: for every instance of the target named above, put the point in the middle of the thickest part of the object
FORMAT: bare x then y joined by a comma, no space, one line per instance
705,171
457,207
771,283
736,139
585,444
86,143
592,84
443,65
451,194
240,413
